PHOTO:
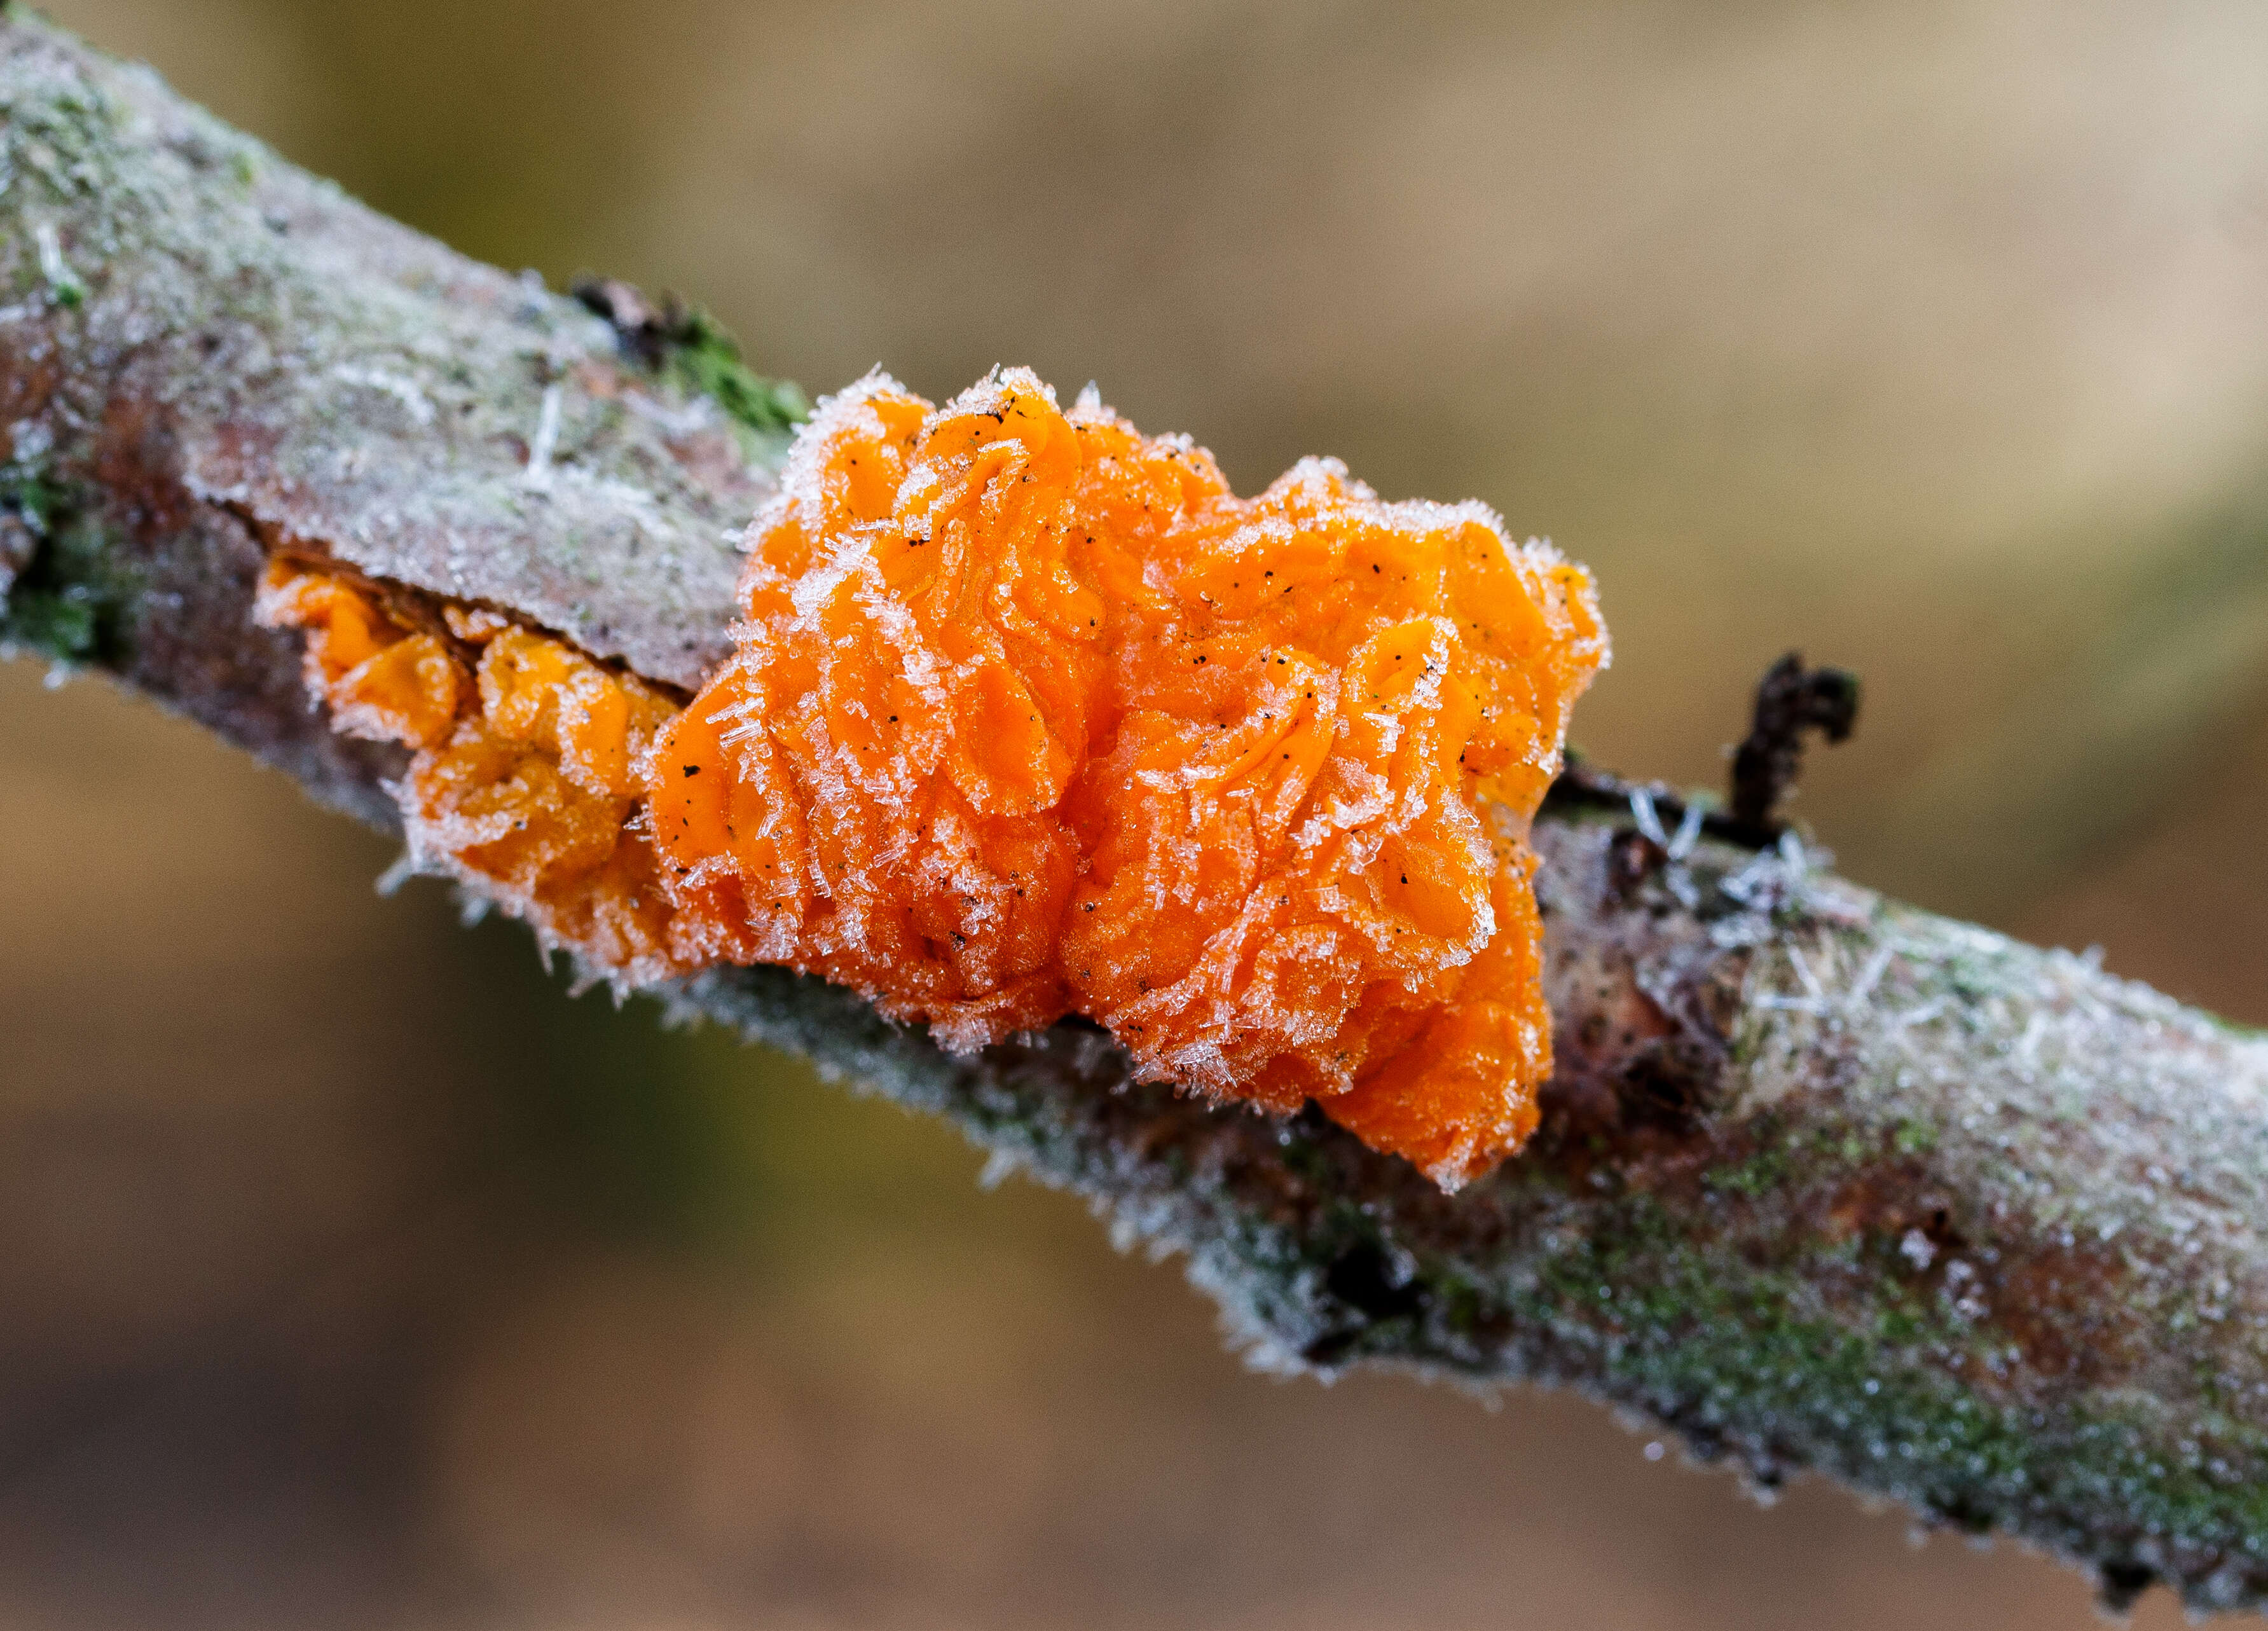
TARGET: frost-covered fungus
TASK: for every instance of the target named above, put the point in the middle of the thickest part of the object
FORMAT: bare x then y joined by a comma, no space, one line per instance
1031,716
523,785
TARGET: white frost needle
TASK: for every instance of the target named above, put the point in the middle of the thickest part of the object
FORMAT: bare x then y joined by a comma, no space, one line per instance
1869,977
1688,834
538,475
1921,1016
65,286
1648,819
1811,985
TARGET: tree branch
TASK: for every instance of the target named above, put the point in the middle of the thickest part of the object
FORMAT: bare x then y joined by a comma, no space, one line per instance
1823,1182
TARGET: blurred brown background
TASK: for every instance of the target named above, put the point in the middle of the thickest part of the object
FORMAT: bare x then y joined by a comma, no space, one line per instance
352,1276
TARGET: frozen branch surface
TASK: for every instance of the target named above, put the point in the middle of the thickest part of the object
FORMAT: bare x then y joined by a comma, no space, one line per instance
1825,1183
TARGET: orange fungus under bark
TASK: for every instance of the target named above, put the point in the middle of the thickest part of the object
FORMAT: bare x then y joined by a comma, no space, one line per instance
524,785
1032,716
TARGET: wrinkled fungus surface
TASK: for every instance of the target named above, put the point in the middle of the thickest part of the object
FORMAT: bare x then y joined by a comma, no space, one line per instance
1032,716
523,783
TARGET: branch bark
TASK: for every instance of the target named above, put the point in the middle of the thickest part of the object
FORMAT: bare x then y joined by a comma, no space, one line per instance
1825,1183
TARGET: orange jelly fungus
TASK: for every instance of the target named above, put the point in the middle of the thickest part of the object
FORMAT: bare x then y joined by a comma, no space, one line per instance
1032,716
525,782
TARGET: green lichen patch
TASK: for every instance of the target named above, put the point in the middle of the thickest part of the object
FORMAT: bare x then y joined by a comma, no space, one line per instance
689,347
704,357
68,603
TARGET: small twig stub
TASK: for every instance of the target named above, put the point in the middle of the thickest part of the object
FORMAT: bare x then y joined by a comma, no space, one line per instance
1791,700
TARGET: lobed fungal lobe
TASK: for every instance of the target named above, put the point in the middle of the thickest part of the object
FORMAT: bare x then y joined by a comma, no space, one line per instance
1032,716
